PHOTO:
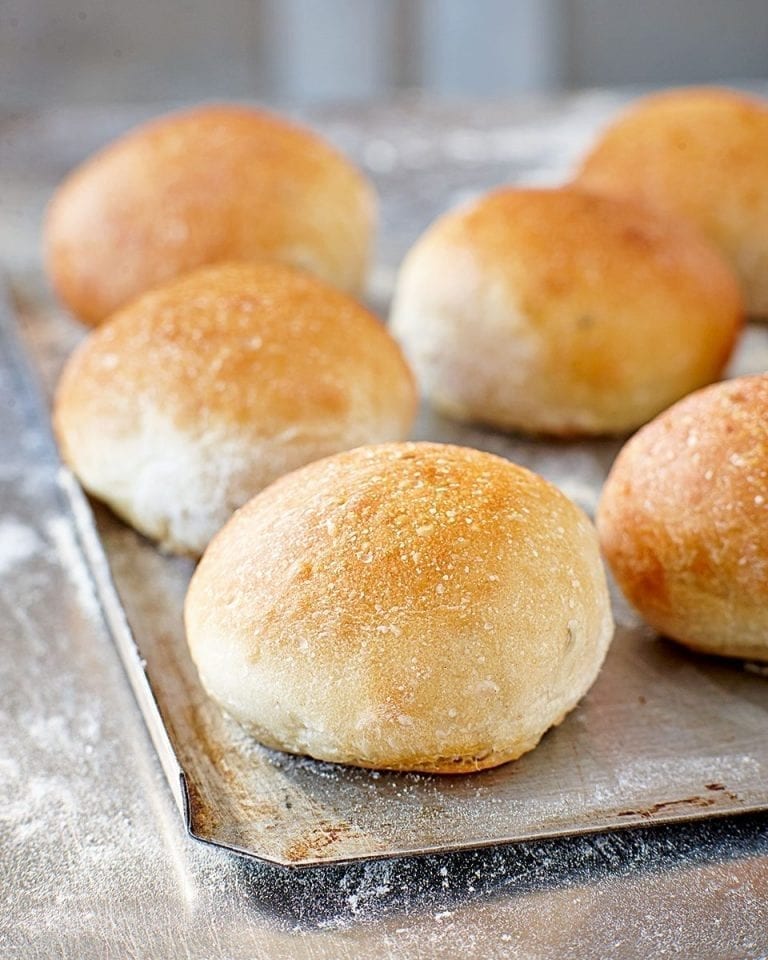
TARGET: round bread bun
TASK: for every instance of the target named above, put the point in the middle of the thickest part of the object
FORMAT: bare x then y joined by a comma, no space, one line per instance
200,393
409,606
683,520
208,185
562,312
699,154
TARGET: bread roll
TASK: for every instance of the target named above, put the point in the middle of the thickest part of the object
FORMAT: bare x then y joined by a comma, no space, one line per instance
204,186
561,312
199,394
699,154
683,520
406,606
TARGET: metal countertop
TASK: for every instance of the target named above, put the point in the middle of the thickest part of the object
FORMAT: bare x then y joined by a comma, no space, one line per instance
94,860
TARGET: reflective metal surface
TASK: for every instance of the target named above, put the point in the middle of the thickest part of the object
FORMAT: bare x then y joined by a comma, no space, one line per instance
94,862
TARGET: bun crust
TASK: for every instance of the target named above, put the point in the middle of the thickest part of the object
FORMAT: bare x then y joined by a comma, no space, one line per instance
700,154
683,520
205,186
410,606
562,312
199,394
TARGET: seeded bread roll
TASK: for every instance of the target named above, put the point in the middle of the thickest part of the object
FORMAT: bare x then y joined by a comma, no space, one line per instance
562,312
683,520
698,154
199,394
204,186
407,606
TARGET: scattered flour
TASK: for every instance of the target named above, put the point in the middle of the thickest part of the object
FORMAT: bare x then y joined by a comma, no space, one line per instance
61,533
18,543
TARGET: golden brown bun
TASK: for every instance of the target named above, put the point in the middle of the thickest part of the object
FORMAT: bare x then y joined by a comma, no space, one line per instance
407,606
683,520
204,186
199,394
562,312
699,154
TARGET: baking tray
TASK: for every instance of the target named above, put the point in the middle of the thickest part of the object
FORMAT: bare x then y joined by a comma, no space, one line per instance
664,734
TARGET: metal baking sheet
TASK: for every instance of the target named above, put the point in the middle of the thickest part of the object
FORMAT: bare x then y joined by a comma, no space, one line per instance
663,735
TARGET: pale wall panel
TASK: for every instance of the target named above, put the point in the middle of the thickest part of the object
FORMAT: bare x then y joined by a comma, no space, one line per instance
330,49
492,47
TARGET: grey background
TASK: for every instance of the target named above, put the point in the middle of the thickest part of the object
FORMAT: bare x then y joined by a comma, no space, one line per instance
308,51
